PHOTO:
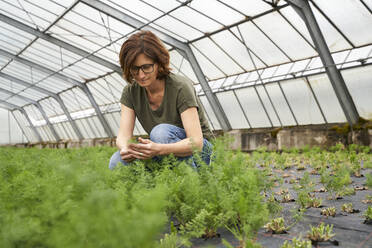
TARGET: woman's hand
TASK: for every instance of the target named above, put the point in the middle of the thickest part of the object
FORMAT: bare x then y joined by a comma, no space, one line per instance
145,149
126,155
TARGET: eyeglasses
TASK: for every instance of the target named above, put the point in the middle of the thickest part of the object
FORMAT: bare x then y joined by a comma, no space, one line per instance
146,68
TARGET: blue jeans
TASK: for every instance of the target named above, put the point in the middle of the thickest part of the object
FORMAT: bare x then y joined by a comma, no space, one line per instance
166,134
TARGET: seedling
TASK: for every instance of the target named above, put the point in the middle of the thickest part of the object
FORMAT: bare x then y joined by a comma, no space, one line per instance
292,181
301,167
321,233
331,211
273,206
282,191
287,198
346,191
368,216
336,182
367,199
276,226
369,180
348,208
314,203
297,243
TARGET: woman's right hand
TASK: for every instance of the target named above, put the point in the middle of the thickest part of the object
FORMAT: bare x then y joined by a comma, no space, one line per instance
126,155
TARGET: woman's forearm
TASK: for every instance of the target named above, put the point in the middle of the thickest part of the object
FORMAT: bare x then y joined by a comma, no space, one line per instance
181,148
122,142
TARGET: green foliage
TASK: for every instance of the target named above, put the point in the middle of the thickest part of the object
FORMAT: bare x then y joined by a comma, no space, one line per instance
276,226
369,180
320,233
347,207
297,243
368,213
68,198
331,211
173,240
334,182
303,191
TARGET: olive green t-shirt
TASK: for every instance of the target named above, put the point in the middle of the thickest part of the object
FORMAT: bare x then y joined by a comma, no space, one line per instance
179,95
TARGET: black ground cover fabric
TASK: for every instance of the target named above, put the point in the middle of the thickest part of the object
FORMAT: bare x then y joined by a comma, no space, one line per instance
349,228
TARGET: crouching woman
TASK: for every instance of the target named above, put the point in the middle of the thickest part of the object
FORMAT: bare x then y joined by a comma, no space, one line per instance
164,103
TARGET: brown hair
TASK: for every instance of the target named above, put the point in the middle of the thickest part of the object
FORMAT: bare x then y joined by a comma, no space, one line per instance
149,44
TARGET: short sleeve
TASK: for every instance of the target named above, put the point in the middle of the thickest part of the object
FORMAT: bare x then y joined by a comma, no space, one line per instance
186,98
126,98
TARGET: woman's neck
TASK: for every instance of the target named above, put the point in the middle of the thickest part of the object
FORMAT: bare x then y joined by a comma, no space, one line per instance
156,87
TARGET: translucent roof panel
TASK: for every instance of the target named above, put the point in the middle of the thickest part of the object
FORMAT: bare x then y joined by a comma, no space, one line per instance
261,45
284,36
107,90
281,105
347,16
231,105
334,38
36,77
58,59
51,107
75,100
21,119
302,102
359,84
252,107
27,13
327,98
12,39
196,19
221,13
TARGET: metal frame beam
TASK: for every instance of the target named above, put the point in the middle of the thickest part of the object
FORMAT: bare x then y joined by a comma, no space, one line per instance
59,43
37,104
12,106
67,79
185,51
19,125
303,9
55,96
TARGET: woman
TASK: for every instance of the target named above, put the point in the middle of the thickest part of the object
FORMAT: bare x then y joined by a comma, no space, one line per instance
165,104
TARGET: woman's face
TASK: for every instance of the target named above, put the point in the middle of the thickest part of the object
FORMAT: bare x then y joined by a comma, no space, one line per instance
144,70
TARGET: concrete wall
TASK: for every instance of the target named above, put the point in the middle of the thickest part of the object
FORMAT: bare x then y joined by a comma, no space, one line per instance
298,137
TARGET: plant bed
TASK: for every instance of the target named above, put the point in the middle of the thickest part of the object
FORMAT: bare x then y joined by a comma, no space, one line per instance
52,198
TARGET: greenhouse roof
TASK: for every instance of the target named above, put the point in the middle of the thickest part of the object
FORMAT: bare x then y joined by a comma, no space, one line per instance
60,76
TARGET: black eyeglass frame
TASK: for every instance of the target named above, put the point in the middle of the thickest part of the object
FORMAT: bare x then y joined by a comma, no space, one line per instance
134,70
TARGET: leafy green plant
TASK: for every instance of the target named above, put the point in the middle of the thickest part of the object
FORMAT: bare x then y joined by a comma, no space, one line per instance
320,233
276,226
330,211
368,215
314,202
297,243
367,199
348,208
369,180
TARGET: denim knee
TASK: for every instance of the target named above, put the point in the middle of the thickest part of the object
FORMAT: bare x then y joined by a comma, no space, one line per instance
115,159
166,133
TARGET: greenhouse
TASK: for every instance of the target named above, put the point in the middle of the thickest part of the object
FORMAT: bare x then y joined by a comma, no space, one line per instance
283,86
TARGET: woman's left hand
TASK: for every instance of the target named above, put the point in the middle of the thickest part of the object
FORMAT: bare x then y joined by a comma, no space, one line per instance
145,149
